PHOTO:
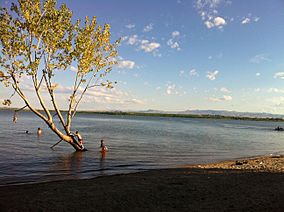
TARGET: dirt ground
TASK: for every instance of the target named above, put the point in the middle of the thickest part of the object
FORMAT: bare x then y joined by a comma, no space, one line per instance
210,187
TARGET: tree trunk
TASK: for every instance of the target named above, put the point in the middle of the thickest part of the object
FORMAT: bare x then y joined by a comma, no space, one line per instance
68,138
76,146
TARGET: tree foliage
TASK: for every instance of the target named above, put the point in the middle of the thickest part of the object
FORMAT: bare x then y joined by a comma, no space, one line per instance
37,40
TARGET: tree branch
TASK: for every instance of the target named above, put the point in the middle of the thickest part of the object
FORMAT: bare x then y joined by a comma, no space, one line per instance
21,94
21,108
51,92
55,144
37,90
82,94
72,98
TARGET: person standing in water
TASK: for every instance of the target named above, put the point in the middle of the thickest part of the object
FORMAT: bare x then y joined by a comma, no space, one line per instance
80,139
103,146
39,131
15,118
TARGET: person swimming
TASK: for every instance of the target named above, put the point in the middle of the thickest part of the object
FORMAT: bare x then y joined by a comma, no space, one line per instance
15,118
103,146
39,131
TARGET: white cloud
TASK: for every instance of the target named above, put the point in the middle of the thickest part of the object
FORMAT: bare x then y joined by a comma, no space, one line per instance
148,28
220,99
148,46
110,96
217,56
73,68
175,34
126,64
279,75
257,74
212,75
136,101
256,19
277,101
193,72
190,73
145,45
181,73
225,90
211,4
249,19
275,90
208,10
279,105
246,21
171,89
172,42
216,22
208,24
260,58
132,40
130,26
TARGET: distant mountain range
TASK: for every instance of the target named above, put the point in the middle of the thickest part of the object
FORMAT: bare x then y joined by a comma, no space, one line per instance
225,113
218,113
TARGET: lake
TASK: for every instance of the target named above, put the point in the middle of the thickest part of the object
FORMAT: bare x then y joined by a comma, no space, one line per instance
135,143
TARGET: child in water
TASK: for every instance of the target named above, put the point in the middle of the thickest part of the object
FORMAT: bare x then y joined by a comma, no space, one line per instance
103,146
39,131
80,139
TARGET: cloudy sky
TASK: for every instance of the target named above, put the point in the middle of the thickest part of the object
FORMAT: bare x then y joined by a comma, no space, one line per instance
187,54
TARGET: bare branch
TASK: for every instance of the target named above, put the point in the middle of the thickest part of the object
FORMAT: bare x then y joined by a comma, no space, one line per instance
55,144
15,113
47,79
92,86
21,94
21,108
39,85
82,94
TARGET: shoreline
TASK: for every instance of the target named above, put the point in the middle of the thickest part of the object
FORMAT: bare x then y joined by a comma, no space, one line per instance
175,115
252,184
261,163
215,164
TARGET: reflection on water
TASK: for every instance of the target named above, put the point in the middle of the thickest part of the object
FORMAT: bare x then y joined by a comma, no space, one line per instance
135,143
102,161
70,163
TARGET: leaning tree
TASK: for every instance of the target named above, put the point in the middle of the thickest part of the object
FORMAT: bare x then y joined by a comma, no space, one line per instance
37,40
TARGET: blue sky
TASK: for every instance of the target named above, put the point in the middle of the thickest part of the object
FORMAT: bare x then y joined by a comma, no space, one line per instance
189,54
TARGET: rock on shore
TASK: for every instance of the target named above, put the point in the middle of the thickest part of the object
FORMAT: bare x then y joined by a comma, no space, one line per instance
272,163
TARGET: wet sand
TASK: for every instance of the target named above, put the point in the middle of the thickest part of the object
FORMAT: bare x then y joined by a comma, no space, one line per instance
255,184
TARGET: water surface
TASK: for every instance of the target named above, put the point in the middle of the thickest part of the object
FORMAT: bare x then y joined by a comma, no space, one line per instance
135,144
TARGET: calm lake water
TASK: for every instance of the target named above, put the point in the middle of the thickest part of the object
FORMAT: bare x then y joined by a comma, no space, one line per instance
135,144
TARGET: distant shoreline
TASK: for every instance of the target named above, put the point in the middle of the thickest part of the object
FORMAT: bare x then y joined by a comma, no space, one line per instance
185,116
174,115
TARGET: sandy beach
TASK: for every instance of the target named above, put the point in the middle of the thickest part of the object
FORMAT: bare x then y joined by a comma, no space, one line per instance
254,184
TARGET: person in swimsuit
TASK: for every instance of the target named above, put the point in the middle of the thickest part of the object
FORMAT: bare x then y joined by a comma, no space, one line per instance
80,139
39,131
103,146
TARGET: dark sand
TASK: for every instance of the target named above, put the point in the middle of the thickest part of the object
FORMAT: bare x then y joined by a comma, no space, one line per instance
222,186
